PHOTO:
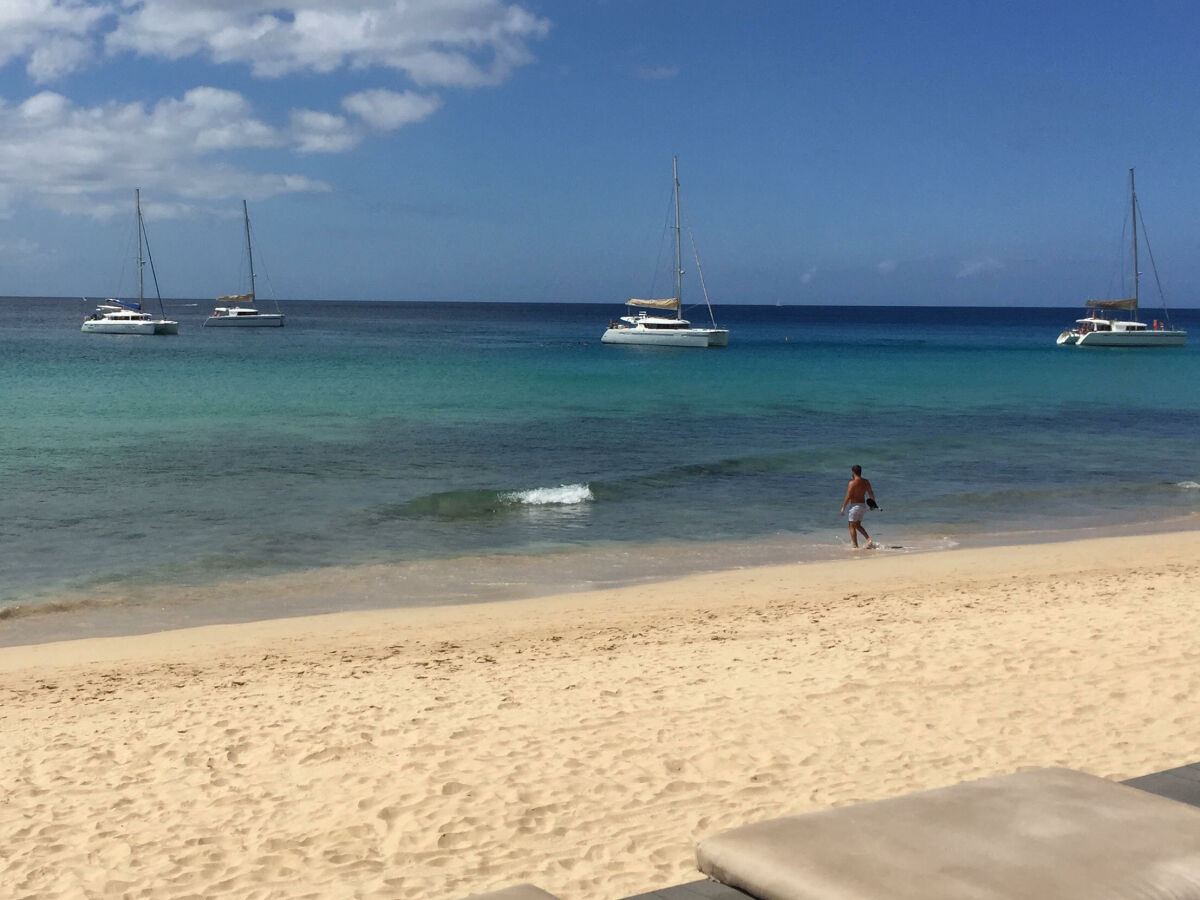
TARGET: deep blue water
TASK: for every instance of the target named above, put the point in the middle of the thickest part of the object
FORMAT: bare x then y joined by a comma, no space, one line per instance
393,432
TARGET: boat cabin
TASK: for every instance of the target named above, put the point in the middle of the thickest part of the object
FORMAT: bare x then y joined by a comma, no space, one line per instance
118,314
656,323
1092,323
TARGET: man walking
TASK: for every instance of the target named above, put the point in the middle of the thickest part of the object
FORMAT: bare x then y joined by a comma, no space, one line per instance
857,492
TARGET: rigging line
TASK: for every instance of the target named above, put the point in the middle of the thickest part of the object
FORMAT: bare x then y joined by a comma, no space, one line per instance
262,272
126,255
700,273
662,243
1153,266
153,274
1123,260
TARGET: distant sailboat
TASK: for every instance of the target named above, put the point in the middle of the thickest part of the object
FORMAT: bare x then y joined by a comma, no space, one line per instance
663,330
125,316
240,311
1099,331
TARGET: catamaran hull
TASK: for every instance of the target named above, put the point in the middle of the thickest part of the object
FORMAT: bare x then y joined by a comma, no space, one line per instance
118,327
1149,338
266,320
718,337
131,327
692,337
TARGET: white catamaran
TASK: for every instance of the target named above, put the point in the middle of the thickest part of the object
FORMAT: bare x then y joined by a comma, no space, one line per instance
125,316
1102,331
239,310
664,330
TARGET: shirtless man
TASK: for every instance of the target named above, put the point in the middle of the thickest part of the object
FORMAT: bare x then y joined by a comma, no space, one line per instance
857,492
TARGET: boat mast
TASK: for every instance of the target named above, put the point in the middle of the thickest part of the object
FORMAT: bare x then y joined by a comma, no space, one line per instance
678,247
141,263
1133,213
249,252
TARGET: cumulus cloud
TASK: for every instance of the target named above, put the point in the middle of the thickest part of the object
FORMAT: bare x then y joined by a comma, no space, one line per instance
886,266
460,43
53,35
386,110
75,159
67,156
320,132
970,268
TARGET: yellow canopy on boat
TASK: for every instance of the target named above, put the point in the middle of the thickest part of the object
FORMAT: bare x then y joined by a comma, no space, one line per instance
669,303
1131,303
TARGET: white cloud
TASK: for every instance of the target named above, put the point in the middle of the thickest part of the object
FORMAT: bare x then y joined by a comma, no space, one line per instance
386,110
53,34
320,132
886,267
78,159
969,268
808,276
57,57
72,158
460,43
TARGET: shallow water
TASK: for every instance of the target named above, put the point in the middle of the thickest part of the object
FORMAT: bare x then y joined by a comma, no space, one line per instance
400,435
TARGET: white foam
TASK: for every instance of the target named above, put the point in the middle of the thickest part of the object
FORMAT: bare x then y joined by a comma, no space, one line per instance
563,495
1188,485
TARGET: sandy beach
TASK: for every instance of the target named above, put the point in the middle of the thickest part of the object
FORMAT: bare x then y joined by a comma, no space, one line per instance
584,741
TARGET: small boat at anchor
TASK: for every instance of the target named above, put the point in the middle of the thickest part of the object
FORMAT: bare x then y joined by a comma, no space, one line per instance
240,310
1096,330
126,316
662,330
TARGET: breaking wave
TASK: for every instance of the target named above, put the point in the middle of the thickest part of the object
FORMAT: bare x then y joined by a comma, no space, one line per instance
479,504
563,495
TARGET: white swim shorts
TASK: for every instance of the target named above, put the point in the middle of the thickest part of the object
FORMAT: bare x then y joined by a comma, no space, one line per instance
856,512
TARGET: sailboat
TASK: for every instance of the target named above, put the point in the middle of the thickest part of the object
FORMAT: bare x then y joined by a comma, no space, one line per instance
665,330
1097,330
125,316
239,310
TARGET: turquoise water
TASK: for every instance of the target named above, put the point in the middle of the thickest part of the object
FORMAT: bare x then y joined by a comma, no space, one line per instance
397,434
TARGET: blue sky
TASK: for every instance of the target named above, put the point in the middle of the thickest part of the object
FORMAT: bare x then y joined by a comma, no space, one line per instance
851,152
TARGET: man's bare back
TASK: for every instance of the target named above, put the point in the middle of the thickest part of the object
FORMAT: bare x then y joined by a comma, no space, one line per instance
857,490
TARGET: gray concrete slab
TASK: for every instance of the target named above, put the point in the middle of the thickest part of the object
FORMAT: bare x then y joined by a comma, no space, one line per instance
694,890
1181,783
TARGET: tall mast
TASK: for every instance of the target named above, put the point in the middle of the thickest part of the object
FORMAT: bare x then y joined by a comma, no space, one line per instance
137,202
249,252
678,248
1133,212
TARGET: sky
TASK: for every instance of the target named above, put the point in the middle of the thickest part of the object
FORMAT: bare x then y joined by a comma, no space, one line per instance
918,152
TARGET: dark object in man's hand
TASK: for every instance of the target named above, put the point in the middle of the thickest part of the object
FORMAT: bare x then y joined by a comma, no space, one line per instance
871,504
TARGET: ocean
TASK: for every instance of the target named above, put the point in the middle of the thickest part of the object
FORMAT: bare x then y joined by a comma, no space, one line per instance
375,454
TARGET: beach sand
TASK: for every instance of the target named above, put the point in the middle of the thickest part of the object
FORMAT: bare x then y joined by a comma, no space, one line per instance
582,742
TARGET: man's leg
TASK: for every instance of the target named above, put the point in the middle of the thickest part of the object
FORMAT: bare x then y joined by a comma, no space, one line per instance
854,534
870,543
